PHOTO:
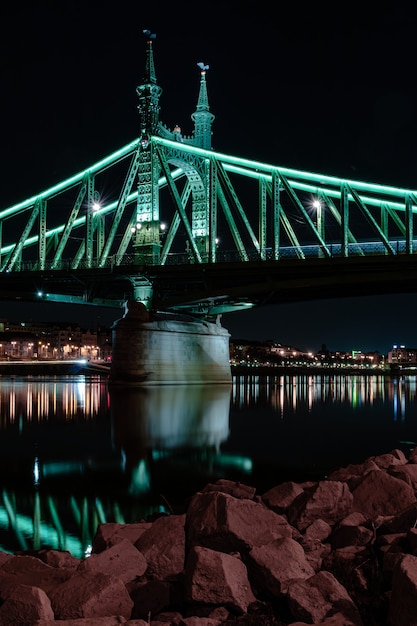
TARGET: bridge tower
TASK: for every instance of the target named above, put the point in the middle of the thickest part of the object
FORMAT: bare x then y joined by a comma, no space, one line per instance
151,347
154,161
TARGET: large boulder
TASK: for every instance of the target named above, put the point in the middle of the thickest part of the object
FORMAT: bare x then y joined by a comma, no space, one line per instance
213,577
25,605
163,546
317,597
273,567
109,534
403,604
91,594
122,560
328,500
219,521
31,571
280,497
379,493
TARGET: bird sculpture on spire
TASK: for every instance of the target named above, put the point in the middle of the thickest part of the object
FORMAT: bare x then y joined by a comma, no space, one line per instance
149,34
202,66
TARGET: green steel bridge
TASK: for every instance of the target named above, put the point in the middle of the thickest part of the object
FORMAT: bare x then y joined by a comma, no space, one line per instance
170,222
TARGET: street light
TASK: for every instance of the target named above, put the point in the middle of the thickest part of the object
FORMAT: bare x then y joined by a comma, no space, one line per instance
319,221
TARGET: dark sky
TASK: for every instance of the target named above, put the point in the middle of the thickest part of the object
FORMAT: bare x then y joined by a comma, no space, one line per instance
304,86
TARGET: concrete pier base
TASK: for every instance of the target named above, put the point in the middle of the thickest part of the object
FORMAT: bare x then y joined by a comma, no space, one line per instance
167,349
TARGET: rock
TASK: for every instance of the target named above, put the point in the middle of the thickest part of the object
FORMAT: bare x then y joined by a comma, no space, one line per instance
91,594
122,560
4,556
273,567
213,577
379,493
57,558
399,522
163,546
150,597
385,461
279,498
351,531
29,570
353,474
407,473
237,490
318,531
221,522
403,603
315,598
329,501
25,605
108,535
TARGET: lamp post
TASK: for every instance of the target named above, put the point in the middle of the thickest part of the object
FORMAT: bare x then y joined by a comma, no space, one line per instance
319,222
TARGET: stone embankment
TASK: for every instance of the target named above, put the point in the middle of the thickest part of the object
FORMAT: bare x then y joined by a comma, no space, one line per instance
335,552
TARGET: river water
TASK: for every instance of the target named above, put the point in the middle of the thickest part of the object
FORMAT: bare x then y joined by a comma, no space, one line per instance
74,452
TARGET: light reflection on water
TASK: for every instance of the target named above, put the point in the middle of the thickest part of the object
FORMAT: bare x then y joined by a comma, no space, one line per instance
74,453
286,392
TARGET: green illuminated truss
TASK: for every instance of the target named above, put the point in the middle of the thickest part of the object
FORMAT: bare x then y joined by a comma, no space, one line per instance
286,213
175,201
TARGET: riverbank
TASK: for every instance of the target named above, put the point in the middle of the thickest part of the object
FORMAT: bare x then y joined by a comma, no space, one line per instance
83,366
52,367
243,370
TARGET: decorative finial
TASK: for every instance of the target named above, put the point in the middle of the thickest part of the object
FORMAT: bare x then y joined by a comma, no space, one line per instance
149,35
203,67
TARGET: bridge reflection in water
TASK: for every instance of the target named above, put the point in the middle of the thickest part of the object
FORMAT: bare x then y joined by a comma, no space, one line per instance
74,453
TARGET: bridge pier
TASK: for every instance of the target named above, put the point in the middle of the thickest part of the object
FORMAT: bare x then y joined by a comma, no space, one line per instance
167,349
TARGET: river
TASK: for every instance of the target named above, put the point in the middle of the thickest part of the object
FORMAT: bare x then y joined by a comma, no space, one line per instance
74,452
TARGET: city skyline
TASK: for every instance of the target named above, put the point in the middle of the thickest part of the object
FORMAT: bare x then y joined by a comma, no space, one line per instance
105,318
303,89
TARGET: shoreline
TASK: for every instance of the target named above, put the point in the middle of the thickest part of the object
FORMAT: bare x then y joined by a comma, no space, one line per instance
242,370
82,366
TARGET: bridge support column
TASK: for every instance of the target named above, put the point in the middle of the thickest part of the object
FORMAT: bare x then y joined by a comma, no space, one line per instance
167,349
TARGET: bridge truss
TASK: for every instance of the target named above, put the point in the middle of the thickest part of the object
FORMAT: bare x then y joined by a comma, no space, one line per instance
207,209
255,211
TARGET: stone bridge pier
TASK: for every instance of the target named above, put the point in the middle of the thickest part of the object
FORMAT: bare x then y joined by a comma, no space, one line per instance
164,348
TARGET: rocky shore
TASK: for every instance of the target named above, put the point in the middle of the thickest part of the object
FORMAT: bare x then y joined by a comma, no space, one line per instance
335,552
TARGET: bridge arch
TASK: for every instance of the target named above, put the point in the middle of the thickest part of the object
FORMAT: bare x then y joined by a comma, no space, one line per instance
194,205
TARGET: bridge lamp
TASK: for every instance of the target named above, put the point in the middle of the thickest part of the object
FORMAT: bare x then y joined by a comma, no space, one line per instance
135,228
96,206
319,217
162,232
317,206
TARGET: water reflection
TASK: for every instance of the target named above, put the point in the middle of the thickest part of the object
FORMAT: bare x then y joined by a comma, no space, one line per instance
160,422
74,453
286,393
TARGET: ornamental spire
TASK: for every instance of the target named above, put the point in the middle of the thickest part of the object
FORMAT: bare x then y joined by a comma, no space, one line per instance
149,93
150,76
202,117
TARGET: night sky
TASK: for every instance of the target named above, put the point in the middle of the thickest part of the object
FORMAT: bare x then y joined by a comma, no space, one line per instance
309,87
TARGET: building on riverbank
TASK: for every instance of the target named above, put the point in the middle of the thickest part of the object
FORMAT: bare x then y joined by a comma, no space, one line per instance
59,341
400,356
273,354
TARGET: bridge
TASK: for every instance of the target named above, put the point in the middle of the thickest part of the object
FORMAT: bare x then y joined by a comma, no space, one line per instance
168,223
